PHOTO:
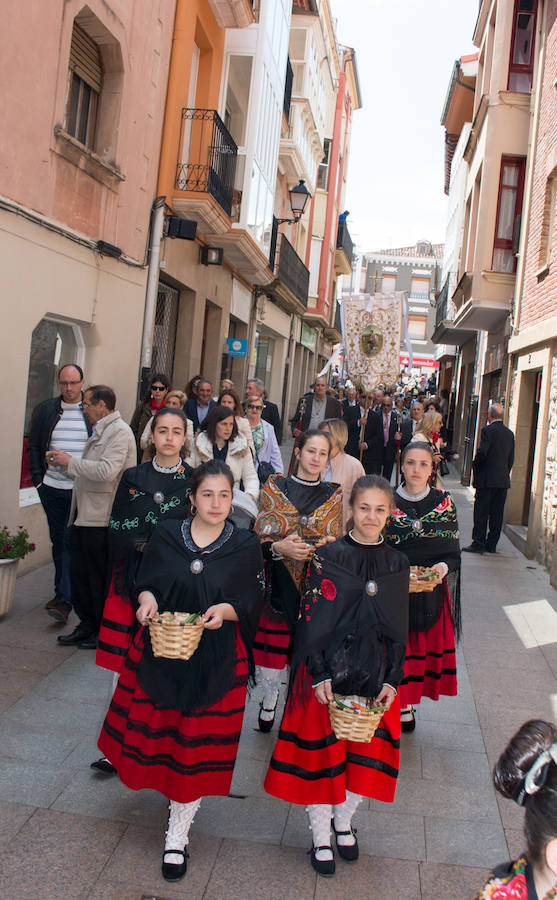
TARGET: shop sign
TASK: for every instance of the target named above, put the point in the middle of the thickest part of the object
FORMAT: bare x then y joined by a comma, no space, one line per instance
426,362
236,347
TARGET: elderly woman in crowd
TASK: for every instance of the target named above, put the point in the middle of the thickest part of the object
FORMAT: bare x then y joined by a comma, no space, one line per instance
267,454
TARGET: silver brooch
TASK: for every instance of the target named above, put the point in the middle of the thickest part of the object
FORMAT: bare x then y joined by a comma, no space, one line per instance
371,588
196,567
303,521
158,496
268,529
417,526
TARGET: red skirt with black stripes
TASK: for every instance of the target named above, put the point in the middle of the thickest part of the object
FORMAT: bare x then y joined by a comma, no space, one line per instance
116,632
430,664
309,765
182,756
271,646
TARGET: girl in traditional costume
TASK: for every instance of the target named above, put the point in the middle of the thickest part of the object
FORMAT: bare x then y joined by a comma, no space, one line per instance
174,725
350,641
296,514
527,773
424,526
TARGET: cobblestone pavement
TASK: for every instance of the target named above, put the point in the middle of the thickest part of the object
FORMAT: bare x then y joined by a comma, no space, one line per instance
68,833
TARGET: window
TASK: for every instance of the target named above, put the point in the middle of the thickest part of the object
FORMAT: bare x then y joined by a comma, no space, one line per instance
323,170
522,46
237,97
388,284
417,327
419,288
509,208
85,83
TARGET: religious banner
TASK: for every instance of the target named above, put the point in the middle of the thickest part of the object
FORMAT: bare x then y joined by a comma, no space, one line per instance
372,325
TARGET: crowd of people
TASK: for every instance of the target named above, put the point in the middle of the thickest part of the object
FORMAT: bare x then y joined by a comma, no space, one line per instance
189,510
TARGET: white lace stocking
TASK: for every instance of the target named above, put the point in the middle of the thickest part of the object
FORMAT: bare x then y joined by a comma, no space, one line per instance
179,824
343,813
270,681
320,824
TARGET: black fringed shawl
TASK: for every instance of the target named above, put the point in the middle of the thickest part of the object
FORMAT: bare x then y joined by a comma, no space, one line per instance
232,572
354,619
427,532
136,513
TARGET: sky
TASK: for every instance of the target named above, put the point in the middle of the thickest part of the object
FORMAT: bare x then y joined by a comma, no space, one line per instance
405,52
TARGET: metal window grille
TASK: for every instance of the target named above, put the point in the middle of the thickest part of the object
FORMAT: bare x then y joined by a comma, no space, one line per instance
164,333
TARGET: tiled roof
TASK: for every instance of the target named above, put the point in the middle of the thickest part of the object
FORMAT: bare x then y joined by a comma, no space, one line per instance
436,251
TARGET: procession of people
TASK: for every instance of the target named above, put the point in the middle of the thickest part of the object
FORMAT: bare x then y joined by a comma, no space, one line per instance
341,578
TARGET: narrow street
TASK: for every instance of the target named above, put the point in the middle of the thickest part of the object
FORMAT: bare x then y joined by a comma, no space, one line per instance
69,833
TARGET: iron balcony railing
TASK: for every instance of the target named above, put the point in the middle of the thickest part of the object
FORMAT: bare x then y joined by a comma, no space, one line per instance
445,309
292,272
344,241
211,152
288,89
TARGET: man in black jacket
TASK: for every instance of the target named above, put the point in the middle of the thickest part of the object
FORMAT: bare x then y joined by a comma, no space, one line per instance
58,424
492,465
197,408
352,413
270,414
380,439
314,407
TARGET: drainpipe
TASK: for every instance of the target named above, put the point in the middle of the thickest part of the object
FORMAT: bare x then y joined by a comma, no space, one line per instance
157,212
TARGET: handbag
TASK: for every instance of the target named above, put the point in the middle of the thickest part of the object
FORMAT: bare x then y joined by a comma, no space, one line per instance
443,467
264,469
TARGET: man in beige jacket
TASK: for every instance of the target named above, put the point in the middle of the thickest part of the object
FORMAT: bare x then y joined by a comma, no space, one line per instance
110,449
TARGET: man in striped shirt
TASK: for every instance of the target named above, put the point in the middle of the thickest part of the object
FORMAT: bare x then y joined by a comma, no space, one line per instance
58,423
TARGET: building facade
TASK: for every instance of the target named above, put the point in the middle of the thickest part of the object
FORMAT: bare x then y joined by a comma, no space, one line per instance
531,513
77,180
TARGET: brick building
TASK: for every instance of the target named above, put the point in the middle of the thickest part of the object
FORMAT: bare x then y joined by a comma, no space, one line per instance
532,505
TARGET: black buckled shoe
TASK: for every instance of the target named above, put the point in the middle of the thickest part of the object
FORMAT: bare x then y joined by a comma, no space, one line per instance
347,852
266,725
174,871
324,867
407,719
77,636
103,765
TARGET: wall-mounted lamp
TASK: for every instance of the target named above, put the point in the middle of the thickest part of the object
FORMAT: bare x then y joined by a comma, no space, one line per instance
211,256
299,196
106,249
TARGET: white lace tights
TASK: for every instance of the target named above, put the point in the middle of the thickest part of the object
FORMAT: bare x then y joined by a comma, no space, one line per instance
179,824
269,679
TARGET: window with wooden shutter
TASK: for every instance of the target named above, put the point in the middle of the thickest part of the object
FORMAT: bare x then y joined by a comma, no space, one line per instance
85,84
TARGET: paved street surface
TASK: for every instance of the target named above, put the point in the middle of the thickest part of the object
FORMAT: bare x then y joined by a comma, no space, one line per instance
68,833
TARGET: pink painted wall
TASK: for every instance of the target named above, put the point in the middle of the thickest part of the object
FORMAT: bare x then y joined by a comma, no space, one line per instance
34,166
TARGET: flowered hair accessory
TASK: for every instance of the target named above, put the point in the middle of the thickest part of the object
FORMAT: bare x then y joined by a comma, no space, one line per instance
536,776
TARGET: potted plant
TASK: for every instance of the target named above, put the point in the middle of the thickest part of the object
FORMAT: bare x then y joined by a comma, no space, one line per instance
13,547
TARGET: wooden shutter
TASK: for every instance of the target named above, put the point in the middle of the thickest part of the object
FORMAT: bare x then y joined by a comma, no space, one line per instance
85,58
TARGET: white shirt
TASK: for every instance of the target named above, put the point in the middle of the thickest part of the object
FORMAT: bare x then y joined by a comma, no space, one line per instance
69,434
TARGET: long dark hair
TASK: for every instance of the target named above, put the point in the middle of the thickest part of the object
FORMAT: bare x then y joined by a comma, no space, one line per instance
230,392
509,774
191,395
215,415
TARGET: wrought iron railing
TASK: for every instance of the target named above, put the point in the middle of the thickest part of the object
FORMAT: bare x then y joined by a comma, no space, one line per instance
445,309
273,244
210,151
288,88
292,272
337,323
344,241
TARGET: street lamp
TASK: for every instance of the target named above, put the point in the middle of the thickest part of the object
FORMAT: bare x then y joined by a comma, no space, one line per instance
299,196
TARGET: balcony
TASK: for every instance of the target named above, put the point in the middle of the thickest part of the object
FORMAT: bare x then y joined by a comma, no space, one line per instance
445,331
333,332
344,250
205,177
233,13
483,300
291,282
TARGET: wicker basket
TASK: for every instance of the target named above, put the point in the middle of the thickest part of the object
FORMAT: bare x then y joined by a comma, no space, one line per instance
172,638
351,725
419,583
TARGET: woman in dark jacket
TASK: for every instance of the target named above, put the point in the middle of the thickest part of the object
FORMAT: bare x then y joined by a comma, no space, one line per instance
350,640
152,401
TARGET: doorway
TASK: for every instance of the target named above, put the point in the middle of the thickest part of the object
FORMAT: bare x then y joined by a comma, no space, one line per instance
535,379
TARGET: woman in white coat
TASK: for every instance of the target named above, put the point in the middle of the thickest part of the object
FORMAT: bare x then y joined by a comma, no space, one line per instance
218,438
264,437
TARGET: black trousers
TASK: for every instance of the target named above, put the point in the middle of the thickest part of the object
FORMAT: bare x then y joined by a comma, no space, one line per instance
88,574
387,468
56,504
489,507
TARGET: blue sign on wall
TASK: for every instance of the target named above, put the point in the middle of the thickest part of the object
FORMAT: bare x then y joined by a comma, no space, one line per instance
236,347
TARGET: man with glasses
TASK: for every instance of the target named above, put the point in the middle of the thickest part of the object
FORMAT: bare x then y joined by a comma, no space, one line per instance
59,422
109,450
